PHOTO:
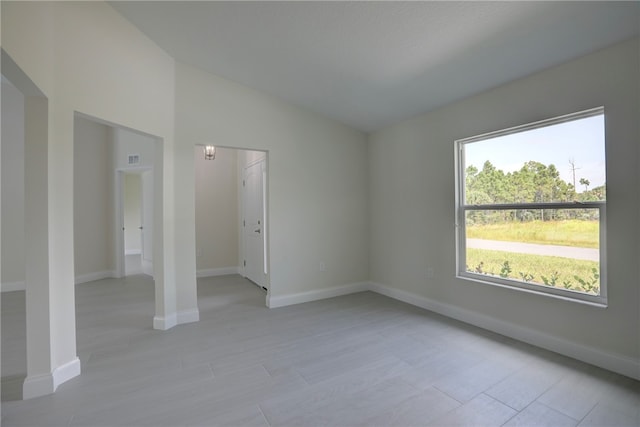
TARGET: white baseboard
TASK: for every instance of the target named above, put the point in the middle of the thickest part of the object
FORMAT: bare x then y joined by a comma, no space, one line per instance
336,291
13,286
65,372
82,278
41,385
37,385
223,271
98,275
610,361
163,323
132,252
188,316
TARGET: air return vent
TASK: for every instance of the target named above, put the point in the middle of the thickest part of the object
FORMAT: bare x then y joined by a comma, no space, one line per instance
134,159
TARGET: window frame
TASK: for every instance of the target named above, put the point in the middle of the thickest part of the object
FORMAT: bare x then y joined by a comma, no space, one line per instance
462,208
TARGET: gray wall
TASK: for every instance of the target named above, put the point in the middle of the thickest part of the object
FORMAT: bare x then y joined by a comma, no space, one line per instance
411,170
93,209
12,188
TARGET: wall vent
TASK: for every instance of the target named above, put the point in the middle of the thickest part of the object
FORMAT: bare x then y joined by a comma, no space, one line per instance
134,159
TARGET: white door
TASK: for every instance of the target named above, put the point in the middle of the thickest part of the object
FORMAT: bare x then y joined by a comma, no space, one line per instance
132,221
254,223
147,223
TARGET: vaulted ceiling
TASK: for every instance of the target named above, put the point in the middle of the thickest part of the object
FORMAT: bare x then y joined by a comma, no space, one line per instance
371,64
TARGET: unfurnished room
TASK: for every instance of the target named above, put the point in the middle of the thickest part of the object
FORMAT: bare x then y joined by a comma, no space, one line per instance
302,213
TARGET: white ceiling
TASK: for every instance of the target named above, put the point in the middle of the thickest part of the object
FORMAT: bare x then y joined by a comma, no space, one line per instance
370,64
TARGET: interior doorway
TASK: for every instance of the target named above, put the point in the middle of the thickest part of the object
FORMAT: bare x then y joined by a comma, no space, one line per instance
24,230
137,221
13,309
231,215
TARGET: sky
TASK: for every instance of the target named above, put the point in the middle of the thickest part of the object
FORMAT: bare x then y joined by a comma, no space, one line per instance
581,141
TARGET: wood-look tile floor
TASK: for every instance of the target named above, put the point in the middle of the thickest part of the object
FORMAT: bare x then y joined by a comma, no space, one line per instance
361,359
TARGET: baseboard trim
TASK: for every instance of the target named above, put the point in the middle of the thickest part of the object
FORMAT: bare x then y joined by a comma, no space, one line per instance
37,385
13,286
319,294
610,361
98,275
188,316
82,278
222,271
65,372
163,323
41,385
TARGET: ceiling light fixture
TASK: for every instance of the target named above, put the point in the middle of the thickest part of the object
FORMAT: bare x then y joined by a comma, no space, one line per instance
209,152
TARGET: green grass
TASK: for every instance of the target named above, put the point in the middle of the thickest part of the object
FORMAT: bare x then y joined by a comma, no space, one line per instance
535,265
578,233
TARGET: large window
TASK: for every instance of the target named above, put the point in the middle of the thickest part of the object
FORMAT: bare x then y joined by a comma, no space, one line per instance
531,205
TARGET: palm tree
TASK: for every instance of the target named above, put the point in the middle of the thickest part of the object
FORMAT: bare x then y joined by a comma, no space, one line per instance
586,183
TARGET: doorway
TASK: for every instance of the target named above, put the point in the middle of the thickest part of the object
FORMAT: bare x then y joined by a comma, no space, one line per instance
13,314
134,221
137,219
231,216
26,354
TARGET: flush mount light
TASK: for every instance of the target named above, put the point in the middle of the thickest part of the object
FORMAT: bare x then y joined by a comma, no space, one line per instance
209,152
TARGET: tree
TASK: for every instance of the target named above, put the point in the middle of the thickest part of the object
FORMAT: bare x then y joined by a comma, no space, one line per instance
534,182
586,184
599,193
573,171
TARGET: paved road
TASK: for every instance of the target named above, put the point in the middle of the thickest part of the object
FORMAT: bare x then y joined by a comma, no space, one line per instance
531,248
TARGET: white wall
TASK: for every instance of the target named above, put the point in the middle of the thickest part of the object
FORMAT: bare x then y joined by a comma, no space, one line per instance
412,205
128,143
216,211
132,213
93,199
317,186
13,261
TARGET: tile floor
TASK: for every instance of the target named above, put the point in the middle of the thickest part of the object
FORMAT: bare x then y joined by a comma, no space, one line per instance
361,359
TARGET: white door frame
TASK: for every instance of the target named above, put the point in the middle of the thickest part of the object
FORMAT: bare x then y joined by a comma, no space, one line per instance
119,249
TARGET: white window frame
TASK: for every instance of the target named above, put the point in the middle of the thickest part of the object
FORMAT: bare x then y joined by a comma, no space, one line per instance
461,209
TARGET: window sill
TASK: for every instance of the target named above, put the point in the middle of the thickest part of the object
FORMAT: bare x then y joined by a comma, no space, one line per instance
561,294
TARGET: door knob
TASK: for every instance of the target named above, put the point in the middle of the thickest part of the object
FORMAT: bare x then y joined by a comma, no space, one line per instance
257,231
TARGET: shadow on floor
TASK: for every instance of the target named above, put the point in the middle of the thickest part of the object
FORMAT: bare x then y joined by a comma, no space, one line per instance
12,387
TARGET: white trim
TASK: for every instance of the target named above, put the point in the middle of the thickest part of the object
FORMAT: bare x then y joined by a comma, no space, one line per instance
188,316
98,275
462,208
222,271
83,278
163,323
37,385
613,362
336,291
41,385
65,372
13,286
132,252
535,125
